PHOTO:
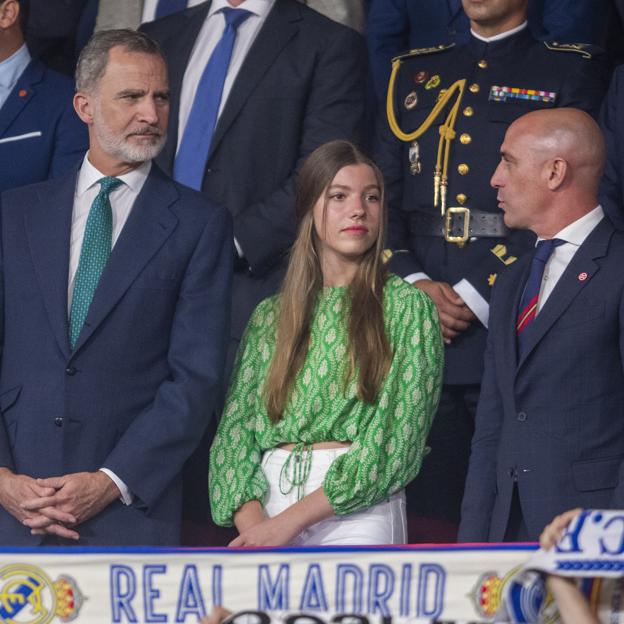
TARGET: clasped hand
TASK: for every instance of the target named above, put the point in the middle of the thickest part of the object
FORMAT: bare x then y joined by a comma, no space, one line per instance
56,505
455,315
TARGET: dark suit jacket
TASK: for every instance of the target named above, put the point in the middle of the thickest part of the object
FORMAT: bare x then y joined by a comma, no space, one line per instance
40,134
301,84
137,391
553,421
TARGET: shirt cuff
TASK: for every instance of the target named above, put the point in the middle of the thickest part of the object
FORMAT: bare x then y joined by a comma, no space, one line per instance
414,277
239,249
125,494
472,298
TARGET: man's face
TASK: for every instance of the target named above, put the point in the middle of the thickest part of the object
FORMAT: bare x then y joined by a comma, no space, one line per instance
519,178
490,13
130,108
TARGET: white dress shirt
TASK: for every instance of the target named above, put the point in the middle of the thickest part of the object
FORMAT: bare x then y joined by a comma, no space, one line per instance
574,235
149,9
206,41
122,200
10,71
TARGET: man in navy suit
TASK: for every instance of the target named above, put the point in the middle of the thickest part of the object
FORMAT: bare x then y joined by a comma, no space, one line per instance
550,421
40,134
111,360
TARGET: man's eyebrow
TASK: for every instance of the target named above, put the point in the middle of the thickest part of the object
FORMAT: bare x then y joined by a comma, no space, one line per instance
127,92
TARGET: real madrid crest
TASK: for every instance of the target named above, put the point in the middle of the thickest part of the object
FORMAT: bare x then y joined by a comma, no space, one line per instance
29,596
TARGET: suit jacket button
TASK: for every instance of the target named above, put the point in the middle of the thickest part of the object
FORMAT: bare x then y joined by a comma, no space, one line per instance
58,421
70,370
522,416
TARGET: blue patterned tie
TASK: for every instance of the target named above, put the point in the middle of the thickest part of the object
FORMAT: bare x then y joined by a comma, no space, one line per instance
190,162
167,7
528,304
96,248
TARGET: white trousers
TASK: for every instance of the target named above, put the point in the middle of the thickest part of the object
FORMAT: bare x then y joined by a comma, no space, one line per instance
383,523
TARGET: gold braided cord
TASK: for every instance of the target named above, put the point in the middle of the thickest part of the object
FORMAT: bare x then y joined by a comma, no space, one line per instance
447,130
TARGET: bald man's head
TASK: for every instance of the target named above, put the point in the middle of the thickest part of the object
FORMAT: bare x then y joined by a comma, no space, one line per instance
550,169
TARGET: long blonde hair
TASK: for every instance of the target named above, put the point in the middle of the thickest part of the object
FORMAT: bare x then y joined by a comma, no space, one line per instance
368,346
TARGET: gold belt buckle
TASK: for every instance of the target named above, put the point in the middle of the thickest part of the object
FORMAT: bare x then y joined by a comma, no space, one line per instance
448,224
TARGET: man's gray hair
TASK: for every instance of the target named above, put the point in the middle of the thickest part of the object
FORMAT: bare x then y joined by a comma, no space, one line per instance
94,56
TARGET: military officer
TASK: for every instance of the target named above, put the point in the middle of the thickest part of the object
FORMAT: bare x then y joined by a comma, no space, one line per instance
448,108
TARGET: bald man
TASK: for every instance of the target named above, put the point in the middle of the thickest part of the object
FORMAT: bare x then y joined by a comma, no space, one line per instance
550,421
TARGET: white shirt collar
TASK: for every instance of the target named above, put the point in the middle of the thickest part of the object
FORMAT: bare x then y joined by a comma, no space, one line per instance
576,232
89,175
13,67
500,36
257,7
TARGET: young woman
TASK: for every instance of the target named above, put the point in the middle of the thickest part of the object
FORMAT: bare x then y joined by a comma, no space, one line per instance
337,379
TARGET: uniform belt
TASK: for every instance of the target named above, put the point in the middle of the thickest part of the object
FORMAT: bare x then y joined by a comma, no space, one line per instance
459,224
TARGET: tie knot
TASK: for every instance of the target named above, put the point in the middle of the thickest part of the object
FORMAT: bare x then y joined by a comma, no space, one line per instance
108,184
235,17
545,248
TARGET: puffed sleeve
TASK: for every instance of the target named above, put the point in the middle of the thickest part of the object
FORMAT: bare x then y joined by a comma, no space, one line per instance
388,450
235,475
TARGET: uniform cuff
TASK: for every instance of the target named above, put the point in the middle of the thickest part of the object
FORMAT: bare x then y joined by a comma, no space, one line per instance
472,298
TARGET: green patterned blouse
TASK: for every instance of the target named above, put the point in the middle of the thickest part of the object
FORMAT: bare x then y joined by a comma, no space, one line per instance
388,437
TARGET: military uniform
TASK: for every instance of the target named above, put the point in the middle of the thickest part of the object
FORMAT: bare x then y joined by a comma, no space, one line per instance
502,80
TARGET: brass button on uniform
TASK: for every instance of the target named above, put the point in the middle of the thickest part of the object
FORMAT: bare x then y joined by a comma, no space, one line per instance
465,138
468,111
461,199
463,169
482,63
474,88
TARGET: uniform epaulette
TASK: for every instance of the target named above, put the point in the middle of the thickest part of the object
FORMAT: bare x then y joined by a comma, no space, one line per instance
586,50
419,51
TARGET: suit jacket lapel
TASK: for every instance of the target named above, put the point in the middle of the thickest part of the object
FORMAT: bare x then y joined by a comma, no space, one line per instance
569,285
15,103
180,48
48,229
149,225
280,26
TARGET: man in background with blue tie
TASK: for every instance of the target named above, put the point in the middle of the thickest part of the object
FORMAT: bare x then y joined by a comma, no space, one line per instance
549,430
115,316
256,85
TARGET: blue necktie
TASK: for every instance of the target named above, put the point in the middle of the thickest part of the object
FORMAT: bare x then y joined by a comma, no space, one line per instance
528,304
190,162
167,7
96,248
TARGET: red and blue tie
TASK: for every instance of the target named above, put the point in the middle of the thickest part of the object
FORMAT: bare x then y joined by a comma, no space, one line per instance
528,304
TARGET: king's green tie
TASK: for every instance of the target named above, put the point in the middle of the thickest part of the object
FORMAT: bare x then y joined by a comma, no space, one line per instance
96,248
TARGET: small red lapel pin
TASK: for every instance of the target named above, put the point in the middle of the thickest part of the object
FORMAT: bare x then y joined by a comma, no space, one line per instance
23,93
582,276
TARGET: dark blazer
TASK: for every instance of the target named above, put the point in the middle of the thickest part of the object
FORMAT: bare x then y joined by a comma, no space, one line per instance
301,84
612,124
554,421
40,134
137,391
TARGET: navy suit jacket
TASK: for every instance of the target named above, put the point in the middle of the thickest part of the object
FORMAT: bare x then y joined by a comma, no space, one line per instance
40,134
138,389
301,84
612,124
552,422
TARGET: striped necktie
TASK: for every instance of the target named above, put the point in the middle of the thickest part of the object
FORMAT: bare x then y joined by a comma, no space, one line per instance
527,309
96,248
191,159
